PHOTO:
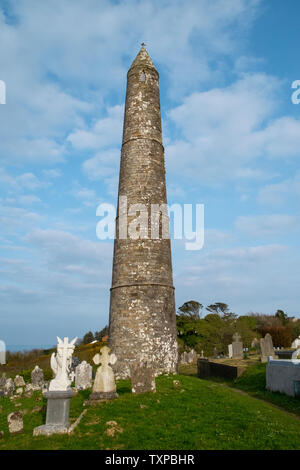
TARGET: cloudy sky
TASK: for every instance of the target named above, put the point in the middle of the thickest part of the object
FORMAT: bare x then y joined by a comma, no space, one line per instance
231,136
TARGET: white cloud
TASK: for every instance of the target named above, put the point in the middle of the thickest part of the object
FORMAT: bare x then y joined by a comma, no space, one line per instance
267,225
104,132
282,192
223,131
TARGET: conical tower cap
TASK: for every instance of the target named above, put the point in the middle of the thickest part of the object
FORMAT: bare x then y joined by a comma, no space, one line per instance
143,59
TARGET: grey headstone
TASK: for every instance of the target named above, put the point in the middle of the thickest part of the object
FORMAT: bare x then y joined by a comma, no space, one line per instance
19,381
266,346
37,377
142,376
2,381
237,347
83,376
9,388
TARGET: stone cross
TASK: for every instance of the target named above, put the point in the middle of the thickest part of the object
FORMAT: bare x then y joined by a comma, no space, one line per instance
104,386
61,365
236,337
104,358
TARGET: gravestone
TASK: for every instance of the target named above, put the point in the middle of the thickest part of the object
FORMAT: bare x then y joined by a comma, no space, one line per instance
237,347
215,356
2,381
15,423
19,381
83,376
255,344
2,353
9,388
266,346
142,376
296,343
37,378
230,351
188,357
104,387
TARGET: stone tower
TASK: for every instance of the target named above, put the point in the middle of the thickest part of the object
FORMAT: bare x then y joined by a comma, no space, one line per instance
142,319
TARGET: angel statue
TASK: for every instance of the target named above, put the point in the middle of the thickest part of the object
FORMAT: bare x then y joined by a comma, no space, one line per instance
61,363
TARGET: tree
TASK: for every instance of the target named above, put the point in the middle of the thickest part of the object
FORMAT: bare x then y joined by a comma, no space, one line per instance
221,309
88,338
281,335
192,309
99,334
282,317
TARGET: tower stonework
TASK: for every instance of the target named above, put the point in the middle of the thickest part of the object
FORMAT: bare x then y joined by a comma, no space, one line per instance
142,318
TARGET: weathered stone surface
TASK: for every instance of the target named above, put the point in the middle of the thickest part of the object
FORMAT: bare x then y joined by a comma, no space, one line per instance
266,346
19,391
9,388
2,381
57,418
104,387
15,422
49,429
142,376
237,347
19,381
142,306
83,376
37,378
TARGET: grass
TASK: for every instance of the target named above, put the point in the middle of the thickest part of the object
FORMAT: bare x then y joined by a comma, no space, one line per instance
253,381
200,414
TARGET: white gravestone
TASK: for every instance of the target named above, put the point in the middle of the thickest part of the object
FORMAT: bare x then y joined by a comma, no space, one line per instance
2,353
296,343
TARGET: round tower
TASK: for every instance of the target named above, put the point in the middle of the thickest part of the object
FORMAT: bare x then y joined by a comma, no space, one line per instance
142,319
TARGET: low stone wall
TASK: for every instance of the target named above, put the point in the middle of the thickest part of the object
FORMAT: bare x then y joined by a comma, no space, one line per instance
215,369
283,375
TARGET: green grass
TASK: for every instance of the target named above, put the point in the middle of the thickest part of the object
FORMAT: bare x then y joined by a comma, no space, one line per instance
253,381
200,414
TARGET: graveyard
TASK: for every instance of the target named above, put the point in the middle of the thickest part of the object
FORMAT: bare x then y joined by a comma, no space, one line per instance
185,412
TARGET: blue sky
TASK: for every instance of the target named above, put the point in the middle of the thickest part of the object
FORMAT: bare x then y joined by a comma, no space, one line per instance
231,136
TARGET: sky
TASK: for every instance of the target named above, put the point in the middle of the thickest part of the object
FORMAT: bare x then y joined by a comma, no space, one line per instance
232,142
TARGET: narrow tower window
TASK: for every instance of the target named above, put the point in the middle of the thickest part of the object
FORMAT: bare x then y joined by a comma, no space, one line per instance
143,76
